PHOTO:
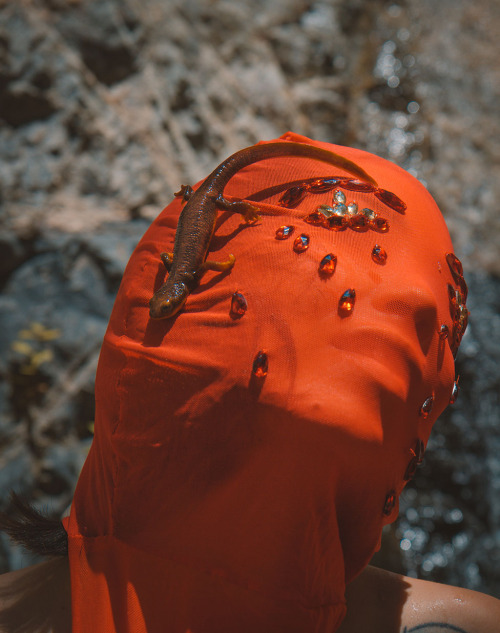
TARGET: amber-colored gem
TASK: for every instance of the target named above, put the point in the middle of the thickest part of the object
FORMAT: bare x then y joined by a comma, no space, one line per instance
444,332
346,302
322,185
455,265
391,200
381,225
316,217
328,264
426,408
260,365
464,291
359,222
301,243
337,222
455,391
292,196
238,306
389,503
358,185
379,255
284,231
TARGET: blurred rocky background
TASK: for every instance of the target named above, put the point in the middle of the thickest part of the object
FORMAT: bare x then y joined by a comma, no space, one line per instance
107,106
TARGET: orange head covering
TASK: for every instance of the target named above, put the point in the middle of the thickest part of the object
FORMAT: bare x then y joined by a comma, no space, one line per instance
249,450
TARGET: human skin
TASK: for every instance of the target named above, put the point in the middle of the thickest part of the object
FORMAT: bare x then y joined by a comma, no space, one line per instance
37,599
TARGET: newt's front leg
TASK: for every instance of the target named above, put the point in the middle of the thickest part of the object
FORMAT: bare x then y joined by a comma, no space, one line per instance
245,209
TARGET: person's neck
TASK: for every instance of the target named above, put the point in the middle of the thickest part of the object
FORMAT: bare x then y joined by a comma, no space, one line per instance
36,599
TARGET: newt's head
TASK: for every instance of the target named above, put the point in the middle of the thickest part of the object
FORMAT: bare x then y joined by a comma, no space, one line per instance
166,302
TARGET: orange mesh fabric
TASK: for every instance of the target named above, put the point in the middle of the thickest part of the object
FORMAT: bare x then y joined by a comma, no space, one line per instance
215,501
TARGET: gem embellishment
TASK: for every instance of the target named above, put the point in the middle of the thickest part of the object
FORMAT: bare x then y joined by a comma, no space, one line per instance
260,365
238,306
358,185
359,222
337,222
389,503
316,217
292,196
381,225
444,332
284,232
455,391
379,255
426,408
339,196
352,208
301,243
322,185
346,302
418,455
391,200
328,264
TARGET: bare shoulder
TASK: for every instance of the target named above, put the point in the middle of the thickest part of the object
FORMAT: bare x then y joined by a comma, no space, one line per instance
379,601
36,599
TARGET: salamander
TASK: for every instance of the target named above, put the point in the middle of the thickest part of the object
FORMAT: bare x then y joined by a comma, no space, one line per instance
187,264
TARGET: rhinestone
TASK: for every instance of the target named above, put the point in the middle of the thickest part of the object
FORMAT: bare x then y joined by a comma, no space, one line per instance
238,305
426,408
292,196
301,243
391,200
381,225
284,232
346,302
389,503
359,222
326,209
340,209
369,213
444,332
337,222
379,255
322,185
455,391
316,217
339,196
260,365
352,208
358,185
328,264
464,291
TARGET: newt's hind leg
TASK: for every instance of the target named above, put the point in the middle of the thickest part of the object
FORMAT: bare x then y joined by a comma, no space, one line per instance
216,266
167,259
247,210
185,193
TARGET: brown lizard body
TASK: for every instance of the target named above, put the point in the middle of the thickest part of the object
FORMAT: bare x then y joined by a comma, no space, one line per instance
197,220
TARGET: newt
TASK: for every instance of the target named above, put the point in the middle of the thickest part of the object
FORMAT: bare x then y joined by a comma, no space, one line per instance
188,262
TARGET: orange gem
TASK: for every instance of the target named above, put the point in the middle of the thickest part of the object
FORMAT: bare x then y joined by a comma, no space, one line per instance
284,232
426,408
260,365
379,255
346,302
390,502
316,217
381,225
301,243
328,264
238,306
